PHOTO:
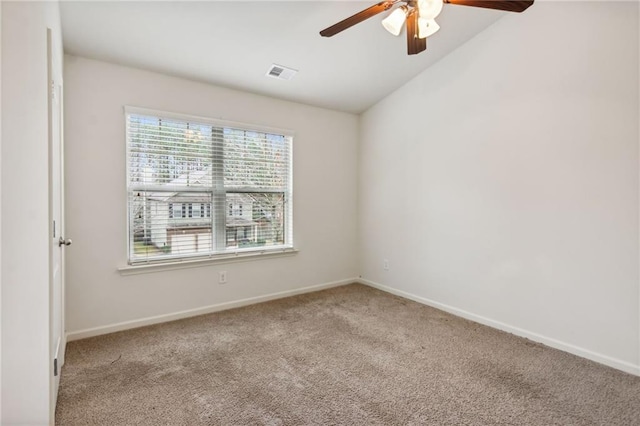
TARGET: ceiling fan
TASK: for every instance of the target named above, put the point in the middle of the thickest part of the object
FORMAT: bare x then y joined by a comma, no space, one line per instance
420,17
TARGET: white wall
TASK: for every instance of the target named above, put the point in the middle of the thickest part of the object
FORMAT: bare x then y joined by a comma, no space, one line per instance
502,183
325,182
26,368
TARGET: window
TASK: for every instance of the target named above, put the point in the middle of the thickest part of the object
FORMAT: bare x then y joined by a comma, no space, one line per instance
198,210
198,188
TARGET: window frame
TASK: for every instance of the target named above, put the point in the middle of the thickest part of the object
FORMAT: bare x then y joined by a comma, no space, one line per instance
215,190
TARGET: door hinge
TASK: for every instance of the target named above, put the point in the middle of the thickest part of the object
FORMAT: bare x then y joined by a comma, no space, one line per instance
55,366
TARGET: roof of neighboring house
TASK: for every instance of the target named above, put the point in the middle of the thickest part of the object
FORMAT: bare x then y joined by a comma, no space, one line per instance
173,227
192,179
235,222
232,222
193,197
180,197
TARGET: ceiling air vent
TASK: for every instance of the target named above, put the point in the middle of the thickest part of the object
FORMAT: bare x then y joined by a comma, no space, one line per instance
280,72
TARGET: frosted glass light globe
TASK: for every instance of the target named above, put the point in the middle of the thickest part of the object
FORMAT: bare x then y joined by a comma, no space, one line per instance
394,22
427,27
429,9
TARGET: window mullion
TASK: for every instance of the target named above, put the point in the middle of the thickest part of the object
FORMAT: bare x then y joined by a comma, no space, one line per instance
219,221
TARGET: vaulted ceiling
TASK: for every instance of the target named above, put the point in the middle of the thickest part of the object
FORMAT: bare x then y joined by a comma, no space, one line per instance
233,44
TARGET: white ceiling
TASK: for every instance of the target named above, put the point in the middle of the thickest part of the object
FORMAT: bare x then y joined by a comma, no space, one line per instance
233,43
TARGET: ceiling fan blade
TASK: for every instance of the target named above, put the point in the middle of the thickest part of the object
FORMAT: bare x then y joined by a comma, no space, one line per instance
357,18
415,44
508,5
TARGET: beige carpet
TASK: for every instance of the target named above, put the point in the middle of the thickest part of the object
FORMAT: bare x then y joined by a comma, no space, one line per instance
349,355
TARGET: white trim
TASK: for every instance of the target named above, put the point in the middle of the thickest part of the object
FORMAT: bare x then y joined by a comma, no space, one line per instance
210,121
219,253
183,263
554,343
62,353
638,242
97,331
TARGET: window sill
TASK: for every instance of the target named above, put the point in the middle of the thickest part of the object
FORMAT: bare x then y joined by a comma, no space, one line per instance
151,267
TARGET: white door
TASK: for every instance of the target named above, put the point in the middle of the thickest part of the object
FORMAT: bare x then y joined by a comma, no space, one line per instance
56,226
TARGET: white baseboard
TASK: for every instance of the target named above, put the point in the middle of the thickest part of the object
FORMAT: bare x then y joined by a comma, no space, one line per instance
557,344
554,343
97,331
62,355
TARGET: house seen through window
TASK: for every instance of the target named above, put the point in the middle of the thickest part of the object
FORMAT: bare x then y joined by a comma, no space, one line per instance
199,188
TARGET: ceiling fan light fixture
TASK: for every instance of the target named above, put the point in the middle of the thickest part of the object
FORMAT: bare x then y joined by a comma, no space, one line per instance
394,22
430,9
427,27
420,17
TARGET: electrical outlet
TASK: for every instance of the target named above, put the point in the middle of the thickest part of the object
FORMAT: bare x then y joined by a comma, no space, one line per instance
385,264
222,277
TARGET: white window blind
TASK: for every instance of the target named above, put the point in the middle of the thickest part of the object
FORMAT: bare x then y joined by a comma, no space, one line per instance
200,188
